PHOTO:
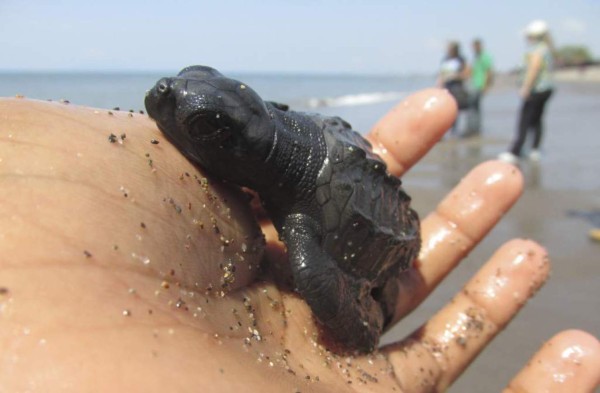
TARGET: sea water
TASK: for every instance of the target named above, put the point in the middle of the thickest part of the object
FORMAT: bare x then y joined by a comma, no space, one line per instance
361,100
329,94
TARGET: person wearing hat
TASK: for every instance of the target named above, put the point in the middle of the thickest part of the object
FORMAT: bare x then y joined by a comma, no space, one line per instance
536,89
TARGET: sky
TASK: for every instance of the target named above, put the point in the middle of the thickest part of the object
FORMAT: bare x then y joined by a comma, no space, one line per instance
309,36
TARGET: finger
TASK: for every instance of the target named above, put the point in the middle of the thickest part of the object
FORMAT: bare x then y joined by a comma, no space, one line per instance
409,130
438,352
569,362
459,222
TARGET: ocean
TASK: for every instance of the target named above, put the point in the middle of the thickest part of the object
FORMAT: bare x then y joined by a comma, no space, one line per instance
361,100
329,94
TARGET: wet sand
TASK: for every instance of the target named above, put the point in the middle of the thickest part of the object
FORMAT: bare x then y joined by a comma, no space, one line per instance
566,179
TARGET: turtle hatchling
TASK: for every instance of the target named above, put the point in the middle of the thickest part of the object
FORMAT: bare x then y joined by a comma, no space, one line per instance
346,222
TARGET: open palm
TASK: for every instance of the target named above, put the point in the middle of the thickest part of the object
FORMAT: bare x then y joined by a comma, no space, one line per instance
123,268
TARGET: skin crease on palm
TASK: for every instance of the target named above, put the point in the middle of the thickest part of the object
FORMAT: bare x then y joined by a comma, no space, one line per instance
123,269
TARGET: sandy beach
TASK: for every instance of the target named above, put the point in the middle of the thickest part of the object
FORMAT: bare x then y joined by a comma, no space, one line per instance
566,179
584,74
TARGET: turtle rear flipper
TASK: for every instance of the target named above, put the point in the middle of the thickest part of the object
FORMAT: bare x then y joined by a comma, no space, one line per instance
339,301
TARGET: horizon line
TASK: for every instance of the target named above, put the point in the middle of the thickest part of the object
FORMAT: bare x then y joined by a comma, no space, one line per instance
109,71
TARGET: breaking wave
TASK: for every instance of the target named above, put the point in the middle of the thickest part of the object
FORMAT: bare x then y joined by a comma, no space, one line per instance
354,99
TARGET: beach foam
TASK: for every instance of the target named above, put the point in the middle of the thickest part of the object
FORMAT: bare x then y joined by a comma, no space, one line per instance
354,99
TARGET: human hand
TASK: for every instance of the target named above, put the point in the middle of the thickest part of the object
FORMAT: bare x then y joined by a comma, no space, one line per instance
524,93
112,265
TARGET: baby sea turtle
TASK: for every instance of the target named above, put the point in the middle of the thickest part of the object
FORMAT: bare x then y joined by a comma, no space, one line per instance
346,222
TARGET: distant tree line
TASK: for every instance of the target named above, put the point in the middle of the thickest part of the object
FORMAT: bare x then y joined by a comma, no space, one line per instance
574,56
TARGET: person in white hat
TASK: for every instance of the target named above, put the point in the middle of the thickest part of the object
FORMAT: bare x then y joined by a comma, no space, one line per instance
536,89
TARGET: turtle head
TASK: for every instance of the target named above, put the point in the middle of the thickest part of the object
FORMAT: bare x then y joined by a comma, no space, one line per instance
217,122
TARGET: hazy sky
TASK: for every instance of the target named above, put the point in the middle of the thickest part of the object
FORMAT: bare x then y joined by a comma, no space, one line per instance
356,36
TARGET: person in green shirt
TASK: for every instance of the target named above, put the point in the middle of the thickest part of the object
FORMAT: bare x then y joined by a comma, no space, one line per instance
481,80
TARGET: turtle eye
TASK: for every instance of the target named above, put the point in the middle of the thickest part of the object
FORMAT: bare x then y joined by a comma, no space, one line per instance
209,125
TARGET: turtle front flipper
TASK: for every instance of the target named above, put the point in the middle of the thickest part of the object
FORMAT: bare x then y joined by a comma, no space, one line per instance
342,303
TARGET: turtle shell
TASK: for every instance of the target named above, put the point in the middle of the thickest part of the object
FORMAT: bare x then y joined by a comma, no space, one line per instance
368,225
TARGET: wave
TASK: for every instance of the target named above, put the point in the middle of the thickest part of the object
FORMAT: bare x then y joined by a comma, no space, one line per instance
354,99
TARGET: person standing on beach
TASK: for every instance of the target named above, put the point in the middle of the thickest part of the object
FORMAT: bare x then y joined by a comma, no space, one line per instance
536,89
481,80
453,72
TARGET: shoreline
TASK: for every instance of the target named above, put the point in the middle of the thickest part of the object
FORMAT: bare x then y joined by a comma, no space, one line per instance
586,74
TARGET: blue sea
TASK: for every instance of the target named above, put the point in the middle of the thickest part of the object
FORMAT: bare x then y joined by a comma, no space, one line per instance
330,94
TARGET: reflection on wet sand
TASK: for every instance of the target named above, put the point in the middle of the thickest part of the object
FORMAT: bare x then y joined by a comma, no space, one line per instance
564,180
